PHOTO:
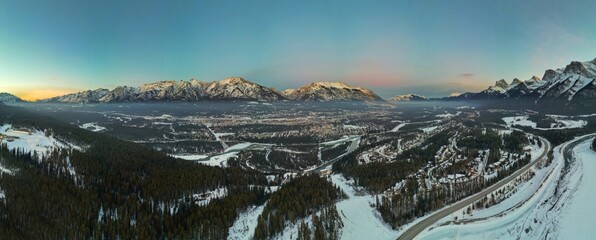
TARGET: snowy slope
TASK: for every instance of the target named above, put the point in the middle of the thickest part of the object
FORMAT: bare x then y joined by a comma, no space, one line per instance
577,219
361,221
30,140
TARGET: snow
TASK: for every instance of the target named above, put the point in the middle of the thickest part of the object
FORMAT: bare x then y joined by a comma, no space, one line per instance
352,127
245,224
429,129
519,121
190,157
5,170
30,140
395,129
577,221
239,146
361,221
340,141
92,127
219,135
206,197
448,115
220,160
561,123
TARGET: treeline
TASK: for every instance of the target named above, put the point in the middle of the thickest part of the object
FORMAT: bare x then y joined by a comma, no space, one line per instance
115,189
594,144
296,200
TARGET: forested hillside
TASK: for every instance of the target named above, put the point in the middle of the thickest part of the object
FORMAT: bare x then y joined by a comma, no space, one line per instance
296,200
114,189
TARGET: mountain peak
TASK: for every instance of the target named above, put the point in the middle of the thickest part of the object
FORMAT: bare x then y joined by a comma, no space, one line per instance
408,97
234,80
574,81
9,98
339,85
502,84
331,91
549,74
576,67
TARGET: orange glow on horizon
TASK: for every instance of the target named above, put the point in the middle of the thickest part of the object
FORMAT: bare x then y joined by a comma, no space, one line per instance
36,94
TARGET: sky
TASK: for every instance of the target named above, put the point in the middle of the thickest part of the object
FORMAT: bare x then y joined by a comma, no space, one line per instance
432,48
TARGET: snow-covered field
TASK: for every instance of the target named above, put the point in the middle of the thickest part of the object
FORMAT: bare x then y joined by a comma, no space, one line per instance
92,127
29,140
560,123
215,160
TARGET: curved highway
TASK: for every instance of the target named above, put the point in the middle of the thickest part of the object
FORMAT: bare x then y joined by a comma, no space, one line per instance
414,230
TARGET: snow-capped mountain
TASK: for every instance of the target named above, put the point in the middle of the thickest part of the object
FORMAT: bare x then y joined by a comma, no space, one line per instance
573,82
193,90
239,88
9,98
89,96
330,91
408,97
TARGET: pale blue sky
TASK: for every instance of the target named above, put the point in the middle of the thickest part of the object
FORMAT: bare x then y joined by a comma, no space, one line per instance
392,47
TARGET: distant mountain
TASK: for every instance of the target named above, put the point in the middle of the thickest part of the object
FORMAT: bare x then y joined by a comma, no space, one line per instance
408,97
331,91
574,82
9,98
89,96
193,90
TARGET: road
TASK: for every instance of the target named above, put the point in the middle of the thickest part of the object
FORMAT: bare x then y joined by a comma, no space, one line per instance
353,146
414,230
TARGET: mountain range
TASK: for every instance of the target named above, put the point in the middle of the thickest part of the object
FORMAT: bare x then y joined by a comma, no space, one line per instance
574,82
228,89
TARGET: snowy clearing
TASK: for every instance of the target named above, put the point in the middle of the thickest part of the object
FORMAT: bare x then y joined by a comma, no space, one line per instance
92,127
560,123
29,140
